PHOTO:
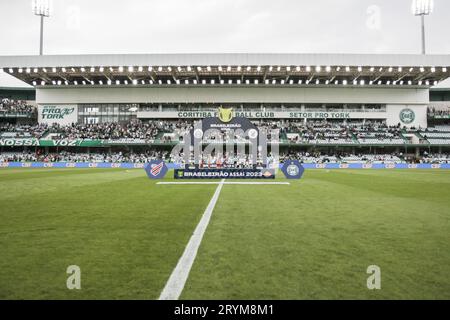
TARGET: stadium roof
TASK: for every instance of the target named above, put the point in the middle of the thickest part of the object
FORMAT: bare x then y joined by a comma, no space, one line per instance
229,69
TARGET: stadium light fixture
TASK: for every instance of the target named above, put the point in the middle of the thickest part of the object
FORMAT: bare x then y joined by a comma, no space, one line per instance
150,69
42,83
279,68
238,81
344,82
328,69
409,82
300,81
359,69
76,82
427,83
28,70
420,82
347,69
411,69
318,68
444,69
422,8
208,68
400,69
266,81
41,8
422,69
297,68
307,81
388,82
401,82
274,81
135,82
362,82
229,68
390,69
11,70
34,83
249,68
120,69
435,82
290,81
372,69
20,70
308,69
288,68
239,68
35,70
230,81
92,69
336,82
101,69
433,69
338,69
82,69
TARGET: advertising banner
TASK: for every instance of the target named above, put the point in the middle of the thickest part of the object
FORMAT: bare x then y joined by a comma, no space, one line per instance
62,115
224,174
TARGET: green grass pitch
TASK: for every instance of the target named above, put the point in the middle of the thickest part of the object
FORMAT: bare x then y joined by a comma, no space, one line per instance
313,239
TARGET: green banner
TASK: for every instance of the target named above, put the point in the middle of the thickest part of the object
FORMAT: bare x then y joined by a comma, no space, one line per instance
33,142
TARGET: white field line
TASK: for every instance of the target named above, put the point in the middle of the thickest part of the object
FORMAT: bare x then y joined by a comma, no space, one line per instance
223,182
177,279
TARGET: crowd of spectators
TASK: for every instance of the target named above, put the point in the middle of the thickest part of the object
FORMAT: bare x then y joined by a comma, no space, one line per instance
218,159
8,130
16,106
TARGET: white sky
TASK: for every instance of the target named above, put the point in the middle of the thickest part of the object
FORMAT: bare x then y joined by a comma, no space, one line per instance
185,26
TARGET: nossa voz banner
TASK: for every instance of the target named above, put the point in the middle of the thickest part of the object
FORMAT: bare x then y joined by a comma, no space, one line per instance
31,142
60,114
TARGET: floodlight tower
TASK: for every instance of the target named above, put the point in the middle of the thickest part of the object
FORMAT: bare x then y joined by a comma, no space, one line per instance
422,8
41,8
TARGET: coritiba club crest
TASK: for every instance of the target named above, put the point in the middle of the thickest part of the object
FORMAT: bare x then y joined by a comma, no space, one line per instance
407,116
225,114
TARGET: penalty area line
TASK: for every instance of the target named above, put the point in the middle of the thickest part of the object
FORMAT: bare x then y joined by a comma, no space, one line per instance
177,279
